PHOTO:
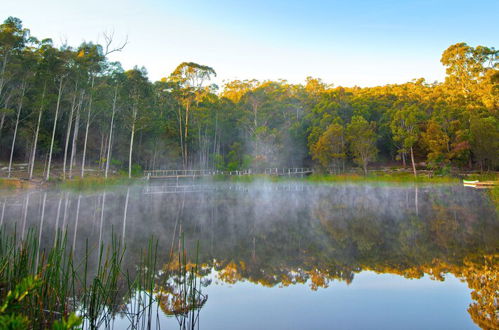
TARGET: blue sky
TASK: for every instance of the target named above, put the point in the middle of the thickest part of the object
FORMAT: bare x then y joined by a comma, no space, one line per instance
346,43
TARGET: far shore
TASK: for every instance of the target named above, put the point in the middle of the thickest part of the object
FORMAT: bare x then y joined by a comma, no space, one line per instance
95,179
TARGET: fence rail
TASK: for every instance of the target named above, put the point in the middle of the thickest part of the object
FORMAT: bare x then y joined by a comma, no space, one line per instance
164,174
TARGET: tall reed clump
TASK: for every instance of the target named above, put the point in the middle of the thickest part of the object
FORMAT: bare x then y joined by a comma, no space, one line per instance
52,288
55,287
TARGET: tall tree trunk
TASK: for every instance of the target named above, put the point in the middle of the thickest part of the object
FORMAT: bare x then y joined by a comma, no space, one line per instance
181,137
86,129
68,132
413,164
33,154
2,77
87,126
75,136
101,150
109,141
186,165
131,145
2,121
19,108
53,130
215,139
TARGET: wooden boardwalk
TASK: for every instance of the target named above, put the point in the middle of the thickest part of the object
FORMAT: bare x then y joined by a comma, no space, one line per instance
193,174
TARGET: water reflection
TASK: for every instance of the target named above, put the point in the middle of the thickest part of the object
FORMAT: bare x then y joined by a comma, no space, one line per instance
283,234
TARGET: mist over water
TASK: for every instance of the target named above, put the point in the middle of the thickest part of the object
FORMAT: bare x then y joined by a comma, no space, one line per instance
294,238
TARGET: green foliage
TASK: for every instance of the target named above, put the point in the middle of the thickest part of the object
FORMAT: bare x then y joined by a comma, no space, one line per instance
69,323
14,322
13,317
437,143
330,148
485,140
361,137
182,121
136,170
38,283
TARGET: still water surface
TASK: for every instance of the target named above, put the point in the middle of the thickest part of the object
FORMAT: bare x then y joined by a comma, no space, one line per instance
295,255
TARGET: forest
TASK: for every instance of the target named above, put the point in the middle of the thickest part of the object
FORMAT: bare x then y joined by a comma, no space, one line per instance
70,110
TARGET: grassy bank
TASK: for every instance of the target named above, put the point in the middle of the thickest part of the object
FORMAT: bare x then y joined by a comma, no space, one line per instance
372,177
381,177
344,178
494,196
96,183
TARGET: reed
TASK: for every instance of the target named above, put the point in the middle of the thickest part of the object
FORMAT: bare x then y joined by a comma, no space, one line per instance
59,291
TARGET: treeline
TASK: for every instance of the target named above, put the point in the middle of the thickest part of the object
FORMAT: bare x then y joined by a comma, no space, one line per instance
72,107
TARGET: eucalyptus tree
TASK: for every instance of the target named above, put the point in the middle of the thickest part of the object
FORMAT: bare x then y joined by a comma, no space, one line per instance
167,125
96,60
405,127
13,38
330,149
74,76
60,67
24,72
467,66
115,78
44,52
93,56
361,137
136,90
189,78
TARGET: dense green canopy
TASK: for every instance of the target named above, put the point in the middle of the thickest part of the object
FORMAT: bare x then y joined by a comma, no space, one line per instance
74,107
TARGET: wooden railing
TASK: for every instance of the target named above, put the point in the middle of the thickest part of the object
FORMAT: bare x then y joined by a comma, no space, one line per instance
299,171
288,171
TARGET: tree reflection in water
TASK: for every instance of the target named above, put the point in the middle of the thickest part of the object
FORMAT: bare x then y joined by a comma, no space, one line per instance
285,234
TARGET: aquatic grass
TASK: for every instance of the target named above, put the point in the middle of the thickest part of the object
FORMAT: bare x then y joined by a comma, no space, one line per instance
66,285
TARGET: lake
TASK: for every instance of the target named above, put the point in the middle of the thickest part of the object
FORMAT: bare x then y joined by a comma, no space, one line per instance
290,255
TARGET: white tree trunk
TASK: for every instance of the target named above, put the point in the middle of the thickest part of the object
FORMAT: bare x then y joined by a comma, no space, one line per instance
86,130
75,138
413,164
53,130
6,106
109,141
2,77
19,108
33,154
85,145
186,165
131,149
68,132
